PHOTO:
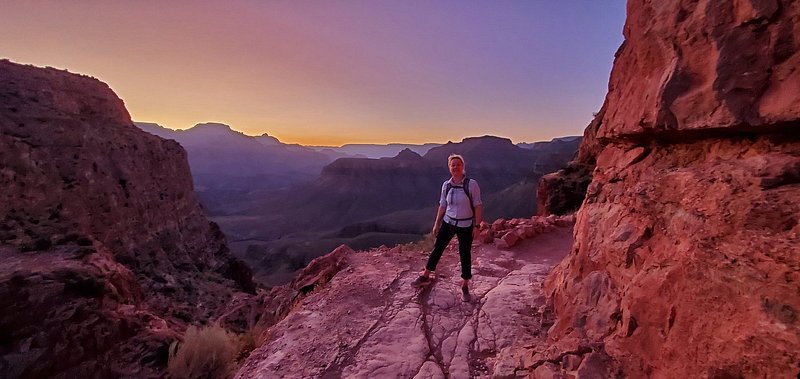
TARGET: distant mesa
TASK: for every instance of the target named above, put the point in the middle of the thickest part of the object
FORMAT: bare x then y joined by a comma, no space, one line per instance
268,140
534,145
196,133
218,126
377,150
484,146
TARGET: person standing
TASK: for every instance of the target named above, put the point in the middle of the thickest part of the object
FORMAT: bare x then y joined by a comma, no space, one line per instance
459,214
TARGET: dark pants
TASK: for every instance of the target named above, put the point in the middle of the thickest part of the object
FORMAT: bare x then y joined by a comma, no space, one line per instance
446,233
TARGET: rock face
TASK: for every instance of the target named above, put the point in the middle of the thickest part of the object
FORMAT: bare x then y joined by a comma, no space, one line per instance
356,315
563,191
687,260
105,250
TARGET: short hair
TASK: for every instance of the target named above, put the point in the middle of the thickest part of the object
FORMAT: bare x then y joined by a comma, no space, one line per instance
455,156
463,163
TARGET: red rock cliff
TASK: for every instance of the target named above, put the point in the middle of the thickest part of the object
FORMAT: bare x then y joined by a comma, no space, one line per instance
105,250
687,259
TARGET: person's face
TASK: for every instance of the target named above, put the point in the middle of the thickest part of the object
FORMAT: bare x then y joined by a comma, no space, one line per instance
456,167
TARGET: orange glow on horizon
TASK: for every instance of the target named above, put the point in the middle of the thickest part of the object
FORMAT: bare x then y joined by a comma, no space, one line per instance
331,73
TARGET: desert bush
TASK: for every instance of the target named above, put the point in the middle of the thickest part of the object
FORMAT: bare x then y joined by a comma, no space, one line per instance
206,353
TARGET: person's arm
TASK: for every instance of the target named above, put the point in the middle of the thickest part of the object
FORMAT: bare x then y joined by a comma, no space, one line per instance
475,190
437,223
478,218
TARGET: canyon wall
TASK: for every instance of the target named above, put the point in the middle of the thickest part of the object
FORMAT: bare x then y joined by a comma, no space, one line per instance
106,253
687,260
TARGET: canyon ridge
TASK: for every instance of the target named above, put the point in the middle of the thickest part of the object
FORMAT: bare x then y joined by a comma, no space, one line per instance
682,260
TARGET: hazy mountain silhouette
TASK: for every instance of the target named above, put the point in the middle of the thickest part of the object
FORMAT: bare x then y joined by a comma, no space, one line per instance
549,144
366,150
353,189
281,205
228,165
368,202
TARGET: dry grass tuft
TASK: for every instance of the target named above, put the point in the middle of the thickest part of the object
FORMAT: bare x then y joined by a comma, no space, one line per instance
249,341
424,245
204,353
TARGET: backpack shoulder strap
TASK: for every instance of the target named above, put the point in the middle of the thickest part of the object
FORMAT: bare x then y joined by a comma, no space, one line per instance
469,196
465,186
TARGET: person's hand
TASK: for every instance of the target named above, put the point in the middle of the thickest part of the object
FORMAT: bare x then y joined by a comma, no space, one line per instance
435,230
475,231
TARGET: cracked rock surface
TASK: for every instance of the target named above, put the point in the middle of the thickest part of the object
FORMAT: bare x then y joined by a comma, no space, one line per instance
369,321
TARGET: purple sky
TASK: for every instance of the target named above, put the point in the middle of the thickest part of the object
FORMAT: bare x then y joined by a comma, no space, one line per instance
333,72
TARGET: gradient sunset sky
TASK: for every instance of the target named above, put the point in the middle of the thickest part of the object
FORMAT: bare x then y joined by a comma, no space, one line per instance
335,72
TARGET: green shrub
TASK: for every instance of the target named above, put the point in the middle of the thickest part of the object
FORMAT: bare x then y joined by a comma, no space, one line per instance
206,353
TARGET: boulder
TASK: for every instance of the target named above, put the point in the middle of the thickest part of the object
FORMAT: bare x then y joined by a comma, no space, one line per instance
510,238
487,236
499,224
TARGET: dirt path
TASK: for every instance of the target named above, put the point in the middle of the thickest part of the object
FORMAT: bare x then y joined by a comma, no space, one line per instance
369,321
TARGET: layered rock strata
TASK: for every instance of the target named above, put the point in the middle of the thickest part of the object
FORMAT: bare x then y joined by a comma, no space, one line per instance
686,260
106,254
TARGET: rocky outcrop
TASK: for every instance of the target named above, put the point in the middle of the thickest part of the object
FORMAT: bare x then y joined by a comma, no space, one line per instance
106,254
563,191
687,260
355,314
507,233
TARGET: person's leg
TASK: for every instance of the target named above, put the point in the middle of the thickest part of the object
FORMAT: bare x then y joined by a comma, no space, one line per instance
444,236
465,253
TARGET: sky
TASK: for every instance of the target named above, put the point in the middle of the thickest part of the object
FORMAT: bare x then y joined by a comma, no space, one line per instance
336,71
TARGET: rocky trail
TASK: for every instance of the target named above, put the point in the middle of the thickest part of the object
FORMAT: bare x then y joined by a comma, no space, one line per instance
369,321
